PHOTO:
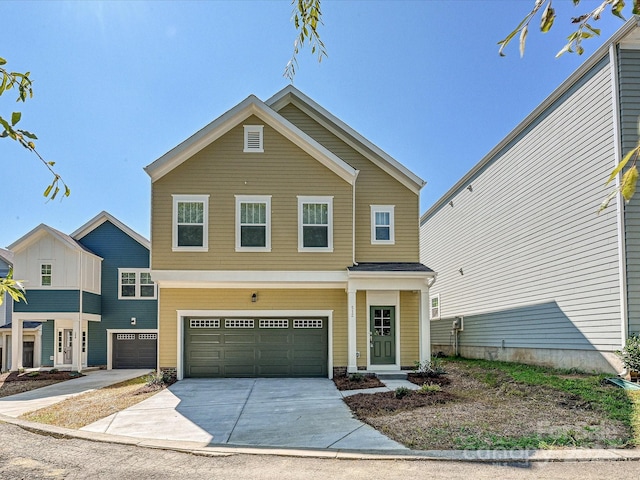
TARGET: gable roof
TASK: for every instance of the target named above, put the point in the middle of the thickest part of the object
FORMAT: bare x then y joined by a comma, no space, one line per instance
102,217
6,256
248,107
41,230
291,95
627,36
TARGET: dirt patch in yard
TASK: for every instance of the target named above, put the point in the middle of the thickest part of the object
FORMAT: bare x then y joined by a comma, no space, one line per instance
14,382
479,409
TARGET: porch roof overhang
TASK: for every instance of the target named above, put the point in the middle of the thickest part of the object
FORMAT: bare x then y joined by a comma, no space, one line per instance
390,276
26,317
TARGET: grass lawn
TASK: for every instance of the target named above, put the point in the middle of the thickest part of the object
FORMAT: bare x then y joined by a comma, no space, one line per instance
79,411
488,405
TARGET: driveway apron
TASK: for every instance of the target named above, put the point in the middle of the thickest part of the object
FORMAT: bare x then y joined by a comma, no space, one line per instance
273,412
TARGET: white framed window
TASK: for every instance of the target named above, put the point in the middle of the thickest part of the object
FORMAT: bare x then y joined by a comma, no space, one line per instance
190,223
46,272
135,284
434,310
253,223
253,138
382,224
315,224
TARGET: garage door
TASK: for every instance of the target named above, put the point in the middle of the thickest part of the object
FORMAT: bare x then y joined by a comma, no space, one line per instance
135,350
255,347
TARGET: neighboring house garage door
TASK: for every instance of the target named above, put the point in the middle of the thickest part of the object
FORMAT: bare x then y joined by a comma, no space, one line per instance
135,350
255,347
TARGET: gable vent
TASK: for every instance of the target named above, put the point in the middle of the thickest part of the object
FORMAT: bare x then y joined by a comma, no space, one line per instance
253,135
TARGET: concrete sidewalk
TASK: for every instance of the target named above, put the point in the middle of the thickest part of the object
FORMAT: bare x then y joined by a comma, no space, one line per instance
260,412
16,405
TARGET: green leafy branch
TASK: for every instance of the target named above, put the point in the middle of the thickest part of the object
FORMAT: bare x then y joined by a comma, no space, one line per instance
306,17
23,84
15,288
585,29
629,179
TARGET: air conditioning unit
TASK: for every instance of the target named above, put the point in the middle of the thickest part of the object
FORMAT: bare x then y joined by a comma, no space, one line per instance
458,324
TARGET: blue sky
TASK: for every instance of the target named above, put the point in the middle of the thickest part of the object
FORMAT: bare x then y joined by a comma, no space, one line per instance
117,84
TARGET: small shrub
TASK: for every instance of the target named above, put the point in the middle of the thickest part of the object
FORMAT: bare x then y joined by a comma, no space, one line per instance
33,374
402,392
356,377
429,388
159,379
431,368
630,354
54,370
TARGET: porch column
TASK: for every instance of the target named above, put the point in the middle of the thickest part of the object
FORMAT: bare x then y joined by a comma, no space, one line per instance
76,345
16,344
3,344
425,327
352,357
37,348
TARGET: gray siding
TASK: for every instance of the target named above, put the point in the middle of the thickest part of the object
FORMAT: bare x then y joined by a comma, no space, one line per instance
540,267
48,343
629,78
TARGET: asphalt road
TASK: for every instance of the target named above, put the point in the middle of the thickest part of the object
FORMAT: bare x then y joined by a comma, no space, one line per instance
27,455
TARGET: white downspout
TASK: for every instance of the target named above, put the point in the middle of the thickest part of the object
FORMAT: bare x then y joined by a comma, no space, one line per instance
353,219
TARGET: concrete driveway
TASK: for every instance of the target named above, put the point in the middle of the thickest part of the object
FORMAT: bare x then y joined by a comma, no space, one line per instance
298,413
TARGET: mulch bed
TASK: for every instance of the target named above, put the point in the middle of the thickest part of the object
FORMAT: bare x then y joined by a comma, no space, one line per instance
365,381
373,404
41,376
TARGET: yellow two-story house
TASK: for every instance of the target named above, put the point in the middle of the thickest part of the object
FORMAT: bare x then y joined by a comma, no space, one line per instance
286,244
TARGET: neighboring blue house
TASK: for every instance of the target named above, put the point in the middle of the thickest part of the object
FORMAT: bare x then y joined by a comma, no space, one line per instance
93,293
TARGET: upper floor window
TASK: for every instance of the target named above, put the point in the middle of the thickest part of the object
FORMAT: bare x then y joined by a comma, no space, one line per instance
382,224
253,138
435,307
135,283
315,224
253,223
190,223
45,274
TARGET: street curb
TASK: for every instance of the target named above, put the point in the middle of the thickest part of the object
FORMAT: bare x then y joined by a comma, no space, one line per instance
481,456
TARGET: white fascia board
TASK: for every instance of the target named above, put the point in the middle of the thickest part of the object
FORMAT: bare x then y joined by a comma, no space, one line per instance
45,316
388,284
380,158
250,106
628,30
249,279
102,217
391,274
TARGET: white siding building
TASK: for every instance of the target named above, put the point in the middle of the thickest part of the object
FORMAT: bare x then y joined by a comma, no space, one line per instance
520,250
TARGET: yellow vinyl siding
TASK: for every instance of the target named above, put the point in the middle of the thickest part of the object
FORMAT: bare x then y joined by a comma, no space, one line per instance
373,187
222,171
409,328
172,300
